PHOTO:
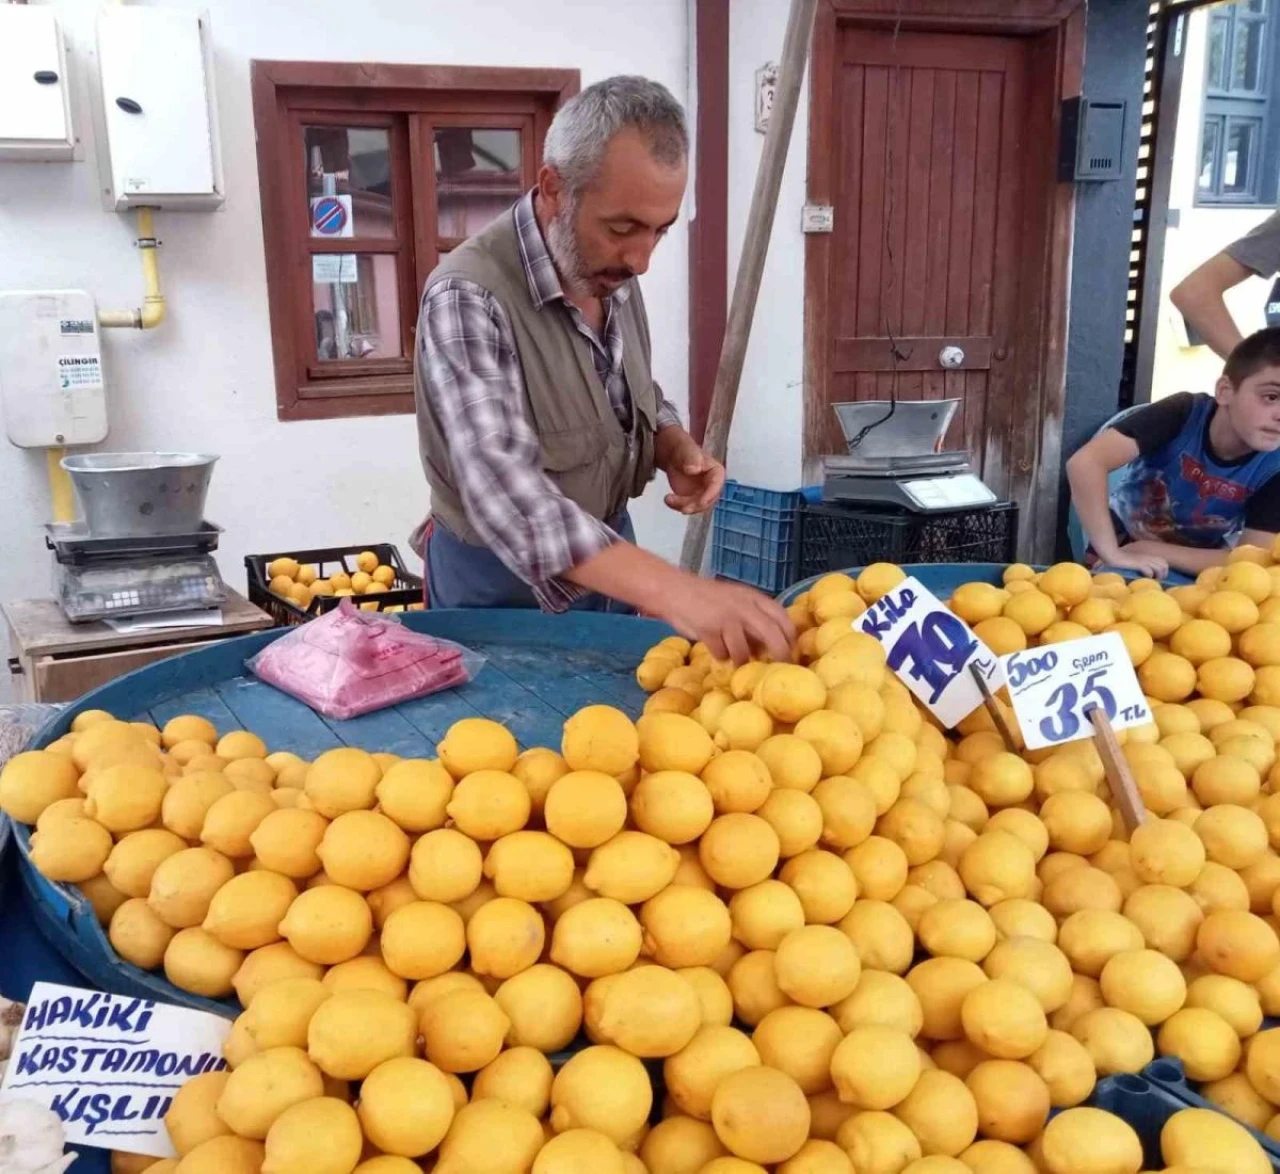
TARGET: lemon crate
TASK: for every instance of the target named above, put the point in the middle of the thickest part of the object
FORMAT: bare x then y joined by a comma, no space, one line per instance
1146,1105
6,839
327,561
1167,1075
753,536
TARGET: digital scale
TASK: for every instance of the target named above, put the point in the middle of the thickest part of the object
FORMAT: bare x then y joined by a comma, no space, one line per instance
100,578
895,459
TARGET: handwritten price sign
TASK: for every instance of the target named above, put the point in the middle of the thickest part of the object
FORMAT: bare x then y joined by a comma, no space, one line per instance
1054,688
931,649
109,1066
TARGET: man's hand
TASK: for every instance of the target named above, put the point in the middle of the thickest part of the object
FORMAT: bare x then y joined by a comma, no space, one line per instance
735,622
696,480
1138,557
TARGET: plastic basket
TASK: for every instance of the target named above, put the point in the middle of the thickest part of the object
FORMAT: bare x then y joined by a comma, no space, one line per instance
406,590
1167,1075
6,841
1142,1104
832,537
753,536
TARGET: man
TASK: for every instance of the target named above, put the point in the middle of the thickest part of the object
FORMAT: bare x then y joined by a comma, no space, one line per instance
1199,295
538,415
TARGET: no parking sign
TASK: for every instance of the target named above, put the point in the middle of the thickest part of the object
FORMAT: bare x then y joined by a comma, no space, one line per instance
331,216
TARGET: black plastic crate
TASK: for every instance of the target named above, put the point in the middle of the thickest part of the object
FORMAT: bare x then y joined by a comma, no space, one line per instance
406,590
753,536
835,537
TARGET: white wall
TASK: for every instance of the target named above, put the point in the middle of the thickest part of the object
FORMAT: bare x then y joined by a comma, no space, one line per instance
1201,232
204,379
765,444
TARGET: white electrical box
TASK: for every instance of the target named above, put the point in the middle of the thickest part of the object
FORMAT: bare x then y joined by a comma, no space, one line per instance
35,106
158,107
51,387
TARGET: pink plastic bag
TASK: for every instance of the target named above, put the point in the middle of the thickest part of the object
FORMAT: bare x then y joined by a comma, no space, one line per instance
349,662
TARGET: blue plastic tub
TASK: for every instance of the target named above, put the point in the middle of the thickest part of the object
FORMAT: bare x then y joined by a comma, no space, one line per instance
753,536
1167,1075
1147,1104
539,670
941,578
6,843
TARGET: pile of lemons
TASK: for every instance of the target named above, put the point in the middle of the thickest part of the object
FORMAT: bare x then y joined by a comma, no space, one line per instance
835,938
300,584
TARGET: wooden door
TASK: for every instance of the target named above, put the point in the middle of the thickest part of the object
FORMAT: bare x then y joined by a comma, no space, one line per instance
929,177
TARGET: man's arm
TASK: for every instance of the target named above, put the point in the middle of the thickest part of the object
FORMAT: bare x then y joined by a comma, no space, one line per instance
735,622
696,478
1199,298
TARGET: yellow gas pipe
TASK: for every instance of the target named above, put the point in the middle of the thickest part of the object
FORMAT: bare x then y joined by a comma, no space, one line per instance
145,317
60,493
151,312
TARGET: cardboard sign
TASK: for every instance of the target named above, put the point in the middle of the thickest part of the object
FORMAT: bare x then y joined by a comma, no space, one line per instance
931,648
1054,688
109,1065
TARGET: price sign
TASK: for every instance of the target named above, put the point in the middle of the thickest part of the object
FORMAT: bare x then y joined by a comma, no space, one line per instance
1054,688
930,648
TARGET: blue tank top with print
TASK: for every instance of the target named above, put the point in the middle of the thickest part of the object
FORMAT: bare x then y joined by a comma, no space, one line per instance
1181,493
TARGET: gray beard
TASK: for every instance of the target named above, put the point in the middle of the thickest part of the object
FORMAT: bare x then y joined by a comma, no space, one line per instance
562,244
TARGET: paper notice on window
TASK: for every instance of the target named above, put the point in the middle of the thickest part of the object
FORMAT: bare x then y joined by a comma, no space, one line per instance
333,268
108,1065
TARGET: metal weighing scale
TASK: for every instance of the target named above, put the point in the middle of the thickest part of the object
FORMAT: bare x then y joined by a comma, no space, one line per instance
99,578
895,459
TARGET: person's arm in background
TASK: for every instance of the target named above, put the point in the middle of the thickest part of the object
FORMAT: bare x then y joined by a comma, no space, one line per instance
471,372
1191,560
1087,473
1199,298
1199,295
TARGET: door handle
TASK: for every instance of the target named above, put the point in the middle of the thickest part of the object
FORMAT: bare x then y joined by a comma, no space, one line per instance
951,357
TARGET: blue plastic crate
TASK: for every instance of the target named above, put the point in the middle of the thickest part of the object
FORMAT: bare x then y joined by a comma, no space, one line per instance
6,844
753,536
1146,1105
1167,1075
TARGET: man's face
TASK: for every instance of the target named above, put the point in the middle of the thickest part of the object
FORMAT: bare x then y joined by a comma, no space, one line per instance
1254,408
605,235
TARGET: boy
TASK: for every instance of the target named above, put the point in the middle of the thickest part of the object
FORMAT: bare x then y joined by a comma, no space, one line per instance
1200,473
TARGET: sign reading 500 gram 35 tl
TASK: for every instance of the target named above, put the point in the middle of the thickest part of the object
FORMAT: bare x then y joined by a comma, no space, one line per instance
932,650
1053,689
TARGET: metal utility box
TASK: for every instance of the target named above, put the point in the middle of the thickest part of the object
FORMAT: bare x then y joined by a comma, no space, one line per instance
52,392
158,109
1091,143
35,105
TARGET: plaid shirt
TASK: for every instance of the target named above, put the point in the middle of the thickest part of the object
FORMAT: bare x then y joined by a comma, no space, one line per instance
468,363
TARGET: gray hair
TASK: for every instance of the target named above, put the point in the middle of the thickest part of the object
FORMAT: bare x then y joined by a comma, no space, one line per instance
580,132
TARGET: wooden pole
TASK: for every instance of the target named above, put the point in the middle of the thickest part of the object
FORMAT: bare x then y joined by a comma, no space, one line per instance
993,709
1119,777
755,247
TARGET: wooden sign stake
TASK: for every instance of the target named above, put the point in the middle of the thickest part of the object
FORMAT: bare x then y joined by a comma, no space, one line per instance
1120,779
755,247
993,708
